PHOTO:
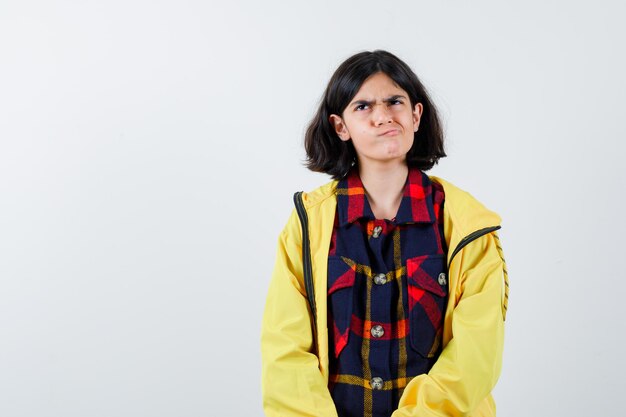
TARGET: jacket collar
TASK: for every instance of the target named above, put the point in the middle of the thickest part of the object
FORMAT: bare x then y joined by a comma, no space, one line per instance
416,205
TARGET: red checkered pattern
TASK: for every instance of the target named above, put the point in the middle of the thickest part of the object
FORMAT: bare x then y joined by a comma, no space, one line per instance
384,331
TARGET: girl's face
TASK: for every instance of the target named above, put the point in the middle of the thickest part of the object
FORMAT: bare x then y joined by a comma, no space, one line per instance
380,121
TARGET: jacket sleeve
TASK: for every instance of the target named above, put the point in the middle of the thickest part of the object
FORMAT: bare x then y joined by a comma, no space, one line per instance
469,365
292,384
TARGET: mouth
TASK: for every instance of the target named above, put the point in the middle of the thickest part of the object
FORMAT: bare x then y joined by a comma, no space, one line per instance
390,132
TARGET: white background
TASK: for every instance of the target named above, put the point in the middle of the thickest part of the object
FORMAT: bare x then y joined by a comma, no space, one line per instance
149,151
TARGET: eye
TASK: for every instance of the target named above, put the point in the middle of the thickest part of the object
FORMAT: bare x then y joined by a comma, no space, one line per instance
395,101
360,107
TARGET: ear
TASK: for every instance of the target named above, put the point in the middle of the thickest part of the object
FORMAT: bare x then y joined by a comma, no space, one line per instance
340,127
417,116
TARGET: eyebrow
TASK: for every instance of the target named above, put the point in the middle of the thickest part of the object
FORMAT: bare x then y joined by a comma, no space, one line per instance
387,100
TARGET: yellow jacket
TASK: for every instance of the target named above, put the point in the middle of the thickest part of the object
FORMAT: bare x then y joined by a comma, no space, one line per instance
295,379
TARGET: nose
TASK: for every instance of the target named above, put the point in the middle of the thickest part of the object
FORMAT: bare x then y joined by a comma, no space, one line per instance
381,114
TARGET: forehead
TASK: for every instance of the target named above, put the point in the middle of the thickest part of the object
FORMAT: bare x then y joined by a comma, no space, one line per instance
379,85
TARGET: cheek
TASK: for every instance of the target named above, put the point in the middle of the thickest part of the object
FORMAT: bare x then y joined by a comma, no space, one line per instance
409,140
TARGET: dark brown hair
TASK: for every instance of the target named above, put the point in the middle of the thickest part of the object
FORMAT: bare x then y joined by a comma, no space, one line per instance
329,154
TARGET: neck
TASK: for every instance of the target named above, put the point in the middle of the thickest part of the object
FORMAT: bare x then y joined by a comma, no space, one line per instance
384,187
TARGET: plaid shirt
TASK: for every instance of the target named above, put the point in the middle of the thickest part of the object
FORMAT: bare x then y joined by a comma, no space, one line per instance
387,292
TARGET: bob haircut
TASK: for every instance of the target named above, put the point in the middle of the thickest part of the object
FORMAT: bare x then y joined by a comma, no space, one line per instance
329,154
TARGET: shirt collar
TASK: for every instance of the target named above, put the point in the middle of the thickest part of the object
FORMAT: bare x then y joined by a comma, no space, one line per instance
416,205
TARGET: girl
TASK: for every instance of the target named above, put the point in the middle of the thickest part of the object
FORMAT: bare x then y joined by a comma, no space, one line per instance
400,310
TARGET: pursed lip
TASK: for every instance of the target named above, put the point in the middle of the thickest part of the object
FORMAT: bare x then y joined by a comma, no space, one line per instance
390,132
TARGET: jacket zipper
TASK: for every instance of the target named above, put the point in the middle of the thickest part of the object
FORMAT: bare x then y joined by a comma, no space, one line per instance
469,238
306,256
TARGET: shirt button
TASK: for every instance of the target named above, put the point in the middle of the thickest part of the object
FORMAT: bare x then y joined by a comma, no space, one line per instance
377,331
377,383
442,278
376,231
380,279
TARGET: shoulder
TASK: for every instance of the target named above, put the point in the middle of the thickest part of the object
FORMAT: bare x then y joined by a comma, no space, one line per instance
319,204
454,192
465,210
320,194
446,185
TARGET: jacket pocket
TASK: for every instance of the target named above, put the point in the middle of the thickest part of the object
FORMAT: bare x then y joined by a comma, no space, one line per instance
427,284
341,276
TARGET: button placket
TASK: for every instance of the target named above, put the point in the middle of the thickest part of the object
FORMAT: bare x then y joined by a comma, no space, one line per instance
378,234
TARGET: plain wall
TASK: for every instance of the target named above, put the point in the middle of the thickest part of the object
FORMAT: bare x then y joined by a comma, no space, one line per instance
149,151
